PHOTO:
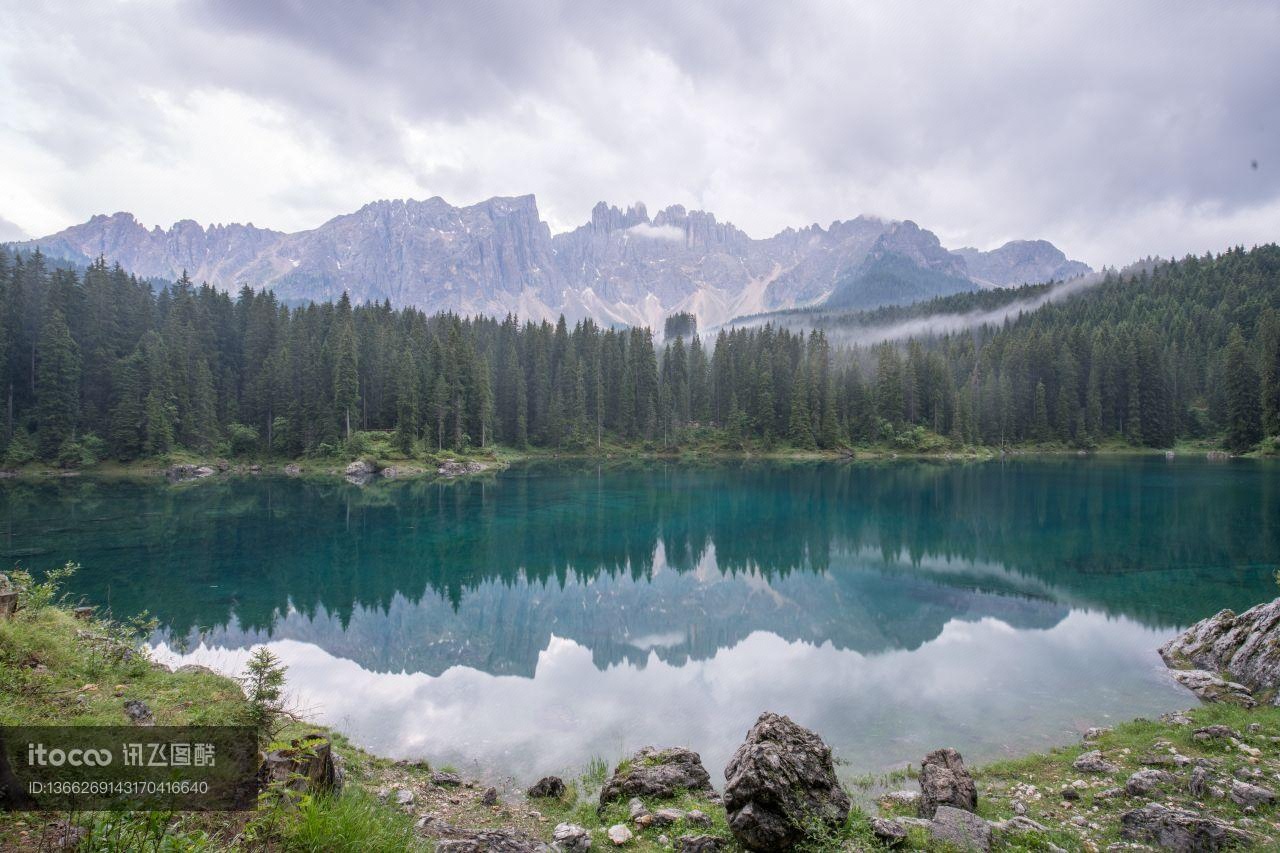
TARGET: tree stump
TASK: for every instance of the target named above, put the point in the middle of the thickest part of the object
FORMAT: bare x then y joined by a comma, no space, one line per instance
306,765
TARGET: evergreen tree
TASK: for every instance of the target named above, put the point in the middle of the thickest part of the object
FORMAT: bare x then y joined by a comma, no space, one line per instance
57,389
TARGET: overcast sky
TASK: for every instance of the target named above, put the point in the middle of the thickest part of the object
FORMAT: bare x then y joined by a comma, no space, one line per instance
1116,130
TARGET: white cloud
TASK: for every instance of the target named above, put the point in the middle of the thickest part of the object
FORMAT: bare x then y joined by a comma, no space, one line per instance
657,232
1113,130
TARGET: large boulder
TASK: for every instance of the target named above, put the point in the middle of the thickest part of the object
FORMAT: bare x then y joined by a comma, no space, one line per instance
658,773
1246,647
944,781
779,780
960,829
547,786
1179,830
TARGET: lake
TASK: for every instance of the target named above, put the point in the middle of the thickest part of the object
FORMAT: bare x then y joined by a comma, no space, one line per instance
523,623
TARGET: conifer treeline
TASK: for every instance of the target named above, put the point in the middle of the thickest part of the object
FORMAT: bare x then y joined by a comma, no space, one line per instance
97,364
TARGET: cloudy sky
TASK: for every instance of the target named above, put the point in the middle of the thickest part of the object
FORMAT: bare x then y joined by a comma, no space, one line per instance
1116,130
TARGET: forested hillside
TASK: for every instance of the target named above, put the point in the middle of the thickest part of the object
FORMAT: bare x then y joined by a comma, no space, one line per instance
98,364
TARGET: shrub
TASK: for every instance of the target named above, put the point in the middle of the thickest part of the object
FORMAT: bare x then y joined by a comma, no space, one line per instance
21,449
242,439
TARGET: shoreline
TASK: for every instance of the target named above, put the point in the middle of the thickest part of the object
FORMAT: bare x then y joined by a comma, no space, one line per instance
181,468
1071,797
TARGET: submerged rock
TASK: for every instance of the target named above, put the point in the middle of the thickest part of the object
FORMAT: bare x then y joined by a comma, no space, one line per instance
1245,647
1179,830
781,778
944,781
660,773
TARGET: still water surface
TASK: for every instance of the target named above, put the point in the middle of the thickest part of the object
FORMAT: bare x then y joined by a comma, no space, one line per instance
522,624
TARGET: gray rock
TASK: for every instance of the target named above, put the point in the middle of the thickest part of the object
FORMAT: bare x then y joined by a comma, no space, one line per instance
636,808
1246,794
944,781
1093,762
891,833
1179,830
900,799
1096,732
292,470
1211,688
455,840
570,837
698,844
453,468
1215,732
619,834
780,778
138,713
1244,647
1143,782
666,817
445,780
660,773
697,817
1018,825
490,797
404,797
547,786
1198,785
960,828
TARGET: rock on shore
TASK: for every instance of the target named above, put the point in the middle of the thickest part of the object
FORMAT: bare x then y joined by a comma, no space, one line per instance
779,779
659,773
1245,647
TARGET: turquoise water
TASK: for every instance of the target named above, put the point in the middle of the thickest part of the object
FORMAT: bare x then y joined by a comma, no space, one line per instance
524,623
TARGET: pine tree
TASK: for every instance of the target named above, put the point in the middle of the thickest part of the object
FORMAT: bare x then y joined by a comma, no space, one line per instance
346,375
57,388
1244,416
406,403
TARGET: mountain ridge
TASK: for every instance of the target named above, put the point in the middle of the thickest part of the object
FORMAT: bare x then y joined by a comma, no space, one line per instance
622,266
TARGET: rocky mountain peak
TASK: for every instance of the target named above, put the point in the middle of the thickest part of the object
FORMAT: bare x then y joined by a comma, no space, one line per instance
622,266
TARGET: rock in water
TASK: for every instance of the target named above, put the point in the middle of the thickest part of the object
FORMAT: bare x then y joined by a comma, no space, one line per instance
944,781
1247,647
1179,830
961,829
547,786
660,773
781,778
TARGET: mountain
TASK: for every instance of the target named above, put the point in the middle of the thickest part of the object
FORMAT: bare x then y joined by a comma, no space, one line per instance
1021,262
621,267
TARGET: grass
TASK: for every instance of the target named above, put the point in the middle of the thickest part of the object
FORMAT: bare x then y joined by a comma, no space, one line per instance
56,669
